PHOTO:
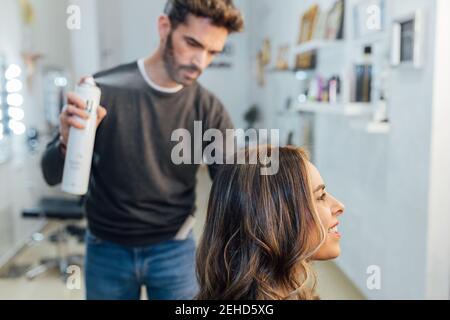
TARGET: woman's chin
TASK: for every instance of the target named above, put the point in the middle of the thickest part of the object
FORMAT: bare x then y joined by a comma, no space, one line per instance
329,253
335,253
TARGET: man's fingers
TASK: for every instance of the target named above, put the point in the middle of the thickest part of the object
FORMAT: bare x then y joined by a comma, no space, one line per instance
72,110
73,122
84,79
74,99
101,112
71,116
63,115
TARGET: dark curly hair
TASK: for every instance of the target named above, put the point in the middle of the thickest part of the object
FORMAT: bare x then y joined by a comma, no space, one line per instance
222,13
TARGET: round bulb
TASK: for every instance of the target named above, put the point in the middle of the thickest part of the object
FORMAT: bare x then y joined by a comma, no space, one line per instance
60,82
14,85
14,100
12,72
18,128
16,113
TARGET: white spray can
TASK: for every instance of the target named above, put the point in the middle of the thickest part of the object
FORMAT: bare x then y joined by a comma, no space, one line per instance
80,147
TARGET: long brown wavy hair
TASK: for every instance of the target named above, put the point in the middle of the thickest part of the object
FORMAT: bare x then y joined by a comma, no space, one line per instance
260,233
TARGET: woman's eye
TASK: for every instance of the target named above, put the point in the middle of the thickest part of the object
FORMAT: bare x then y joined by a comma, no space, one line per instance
323,197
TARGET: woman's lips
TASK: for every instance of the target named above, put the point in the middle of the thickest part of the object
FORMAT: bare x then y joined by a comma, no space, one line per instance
334,231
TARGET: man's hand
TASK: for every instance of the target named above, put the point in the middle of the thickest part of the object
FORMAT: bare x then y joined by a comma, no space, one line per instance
76,108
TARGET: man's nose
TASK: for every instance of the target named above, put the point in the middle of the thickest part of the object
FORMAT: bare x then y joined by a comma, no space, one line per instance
201,60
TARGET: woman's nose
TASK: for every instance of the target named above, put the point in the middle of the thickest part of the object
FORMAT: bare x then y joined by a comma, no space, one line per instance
338,207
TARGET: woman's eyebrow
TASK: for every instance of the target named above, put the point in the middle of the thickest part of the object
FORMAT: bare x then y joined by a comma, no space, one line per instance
321,187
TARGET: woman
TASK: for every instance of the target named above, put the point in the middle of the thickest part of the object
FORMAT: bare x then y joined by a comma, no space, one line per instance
262,232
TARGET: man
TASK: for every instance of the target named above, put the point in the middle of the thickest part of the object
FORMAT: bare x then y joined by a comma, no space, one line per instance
140,204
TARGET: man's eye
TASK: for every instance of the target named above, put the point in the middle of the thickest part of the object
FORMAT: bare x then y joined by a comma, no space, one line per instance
192,44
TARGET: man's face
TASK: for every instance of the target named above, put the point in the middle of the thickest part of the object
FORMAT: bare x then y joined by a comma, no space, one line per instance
191,47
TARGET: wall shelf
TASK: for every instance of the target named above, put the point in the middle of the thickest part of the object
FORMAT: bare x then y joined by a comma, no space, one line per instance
378,128
377,37
276,70
316,45
345,109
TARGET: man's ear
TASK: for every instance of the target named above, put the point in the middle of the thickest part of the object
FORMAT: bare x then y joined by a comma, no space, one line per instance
164,27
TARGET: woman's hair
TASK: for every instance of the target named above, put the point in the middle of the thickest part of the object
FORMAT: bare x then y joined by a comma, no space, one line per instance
222,13
260,233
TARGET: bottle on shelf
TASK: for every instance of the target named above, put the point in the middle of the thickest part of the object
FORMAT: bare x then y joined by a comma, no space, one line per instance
363,78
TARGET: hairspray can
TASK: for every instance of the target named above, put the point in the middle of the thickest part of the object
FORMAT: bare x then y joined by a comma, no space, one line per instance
80,147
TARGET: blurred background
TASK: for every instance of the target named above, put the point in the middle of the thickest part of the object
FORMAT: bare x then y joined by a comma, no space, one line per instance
362,84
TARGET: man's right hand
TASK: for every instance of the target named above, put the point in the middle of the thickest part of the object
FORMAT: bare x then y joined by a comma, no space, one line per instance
71,113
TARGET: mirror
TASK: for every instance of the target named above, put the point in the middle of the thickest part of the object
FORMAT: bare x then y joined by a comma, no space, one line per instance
55,82
4,140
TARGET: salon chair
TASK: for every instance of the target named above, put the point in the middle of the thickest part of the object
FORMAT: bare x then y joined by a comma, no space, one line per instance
67,213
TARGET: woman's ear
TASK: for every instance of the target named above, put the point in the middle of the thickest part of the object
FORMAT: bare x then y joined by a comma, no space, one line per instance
164,27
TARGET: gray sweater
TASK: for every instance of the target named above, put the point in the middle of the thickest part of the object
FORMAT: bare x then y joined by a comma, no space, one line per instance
137,196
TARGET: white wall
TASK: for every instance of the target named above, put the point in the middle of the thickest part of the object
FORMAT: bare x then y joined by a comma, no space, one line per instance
85,45
382,179
438,246
408,166
10,31
21,183
55,49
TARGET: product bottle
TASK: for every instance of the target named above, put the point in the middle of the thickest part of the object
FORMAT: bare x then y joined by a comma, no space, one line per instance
80,147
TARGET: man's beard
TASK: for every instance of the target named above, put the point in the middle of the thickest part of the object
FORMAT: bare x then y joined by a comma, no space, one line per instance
173,68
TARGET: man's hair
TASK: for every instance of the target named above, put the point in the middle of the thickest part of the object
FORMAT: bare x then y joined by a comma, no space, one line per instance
222,13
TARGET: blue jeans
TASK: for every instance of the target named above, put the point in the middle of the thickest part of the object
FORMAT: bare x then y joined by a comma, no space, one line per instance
115,272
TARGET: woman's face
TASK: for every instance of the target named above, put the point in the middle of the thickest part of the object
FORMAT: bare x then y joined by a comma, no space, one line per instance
329,209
